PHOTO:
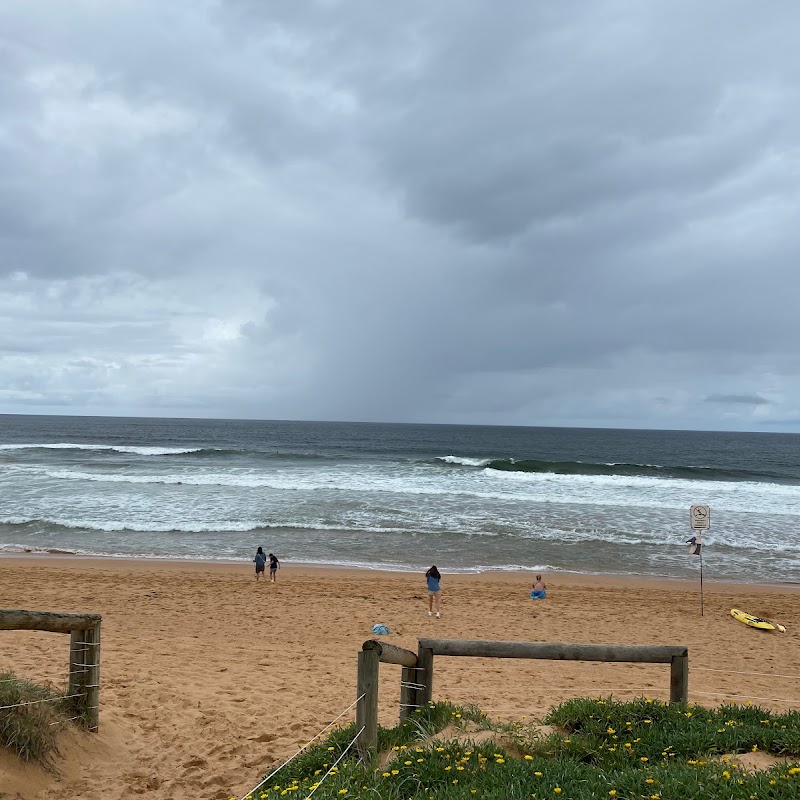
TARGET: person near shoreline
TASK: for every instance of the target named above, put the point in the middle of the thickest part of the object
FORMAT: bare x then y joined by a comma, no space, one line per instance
274,564
434,591
260,562
538,589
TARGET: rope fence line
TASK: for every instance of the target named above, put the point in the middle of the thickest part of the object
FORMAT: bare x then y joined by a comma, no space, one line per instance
750,696
80,671
309,742
46,700
62,721
739,672
336,763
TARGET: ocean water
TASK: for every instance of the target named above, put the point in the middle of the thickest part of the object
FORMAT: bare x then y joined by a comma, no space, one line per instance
466,498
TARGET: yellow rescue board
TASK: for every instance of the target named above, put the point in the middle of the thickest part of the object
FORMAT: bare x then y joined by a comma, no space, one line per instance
753,622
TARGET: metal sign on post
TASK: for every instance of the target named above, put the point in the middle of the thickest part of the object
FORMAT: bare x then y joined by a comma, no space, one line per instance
699,517
699,520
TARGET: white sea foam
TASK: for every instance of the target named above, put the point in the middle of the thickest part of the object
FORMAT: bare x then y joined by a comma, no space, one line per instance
464,460
131,449
456,486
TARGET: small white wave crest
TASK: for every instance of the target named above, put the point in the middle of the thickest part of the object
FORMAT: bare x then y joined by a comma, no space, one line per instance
130,449
464,461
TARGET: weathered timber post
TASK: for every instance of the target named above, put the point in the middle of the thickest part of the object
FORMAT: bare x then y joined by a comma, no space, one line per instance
84,653
679,679
373,653
408,691
424,674
367,706
92,699
78,671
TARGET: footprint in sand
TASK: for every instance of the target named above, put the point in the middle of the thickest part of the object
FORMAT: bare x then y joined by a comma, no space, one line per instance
265,737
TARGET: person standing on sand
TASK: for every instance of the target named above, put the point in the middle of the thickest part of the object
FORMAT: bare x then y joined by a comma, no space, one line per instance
538,589
260,561
434,591
273,567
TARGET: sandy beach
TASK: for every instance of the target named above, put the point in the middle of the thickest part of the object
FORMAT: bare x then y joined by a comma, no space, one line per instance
209,677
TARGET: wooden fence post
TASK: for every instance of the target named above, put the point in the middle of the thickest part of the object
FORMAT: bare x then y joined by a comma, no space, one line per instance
408,694
92,699
679,679
77,671
424,675
367,707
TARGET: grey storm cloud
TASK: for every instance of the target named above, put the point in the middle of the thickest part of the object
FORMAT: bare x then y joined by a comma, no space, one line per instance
570,214
743,399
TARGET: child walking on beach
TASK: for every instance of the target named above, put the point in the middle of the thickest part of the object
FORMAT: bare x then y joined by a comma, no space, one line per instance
260,561
434,591
538,589
273,567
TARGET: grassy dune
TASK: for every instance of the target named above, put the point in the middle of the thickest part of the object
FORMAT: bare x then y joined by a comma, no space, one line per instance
583,750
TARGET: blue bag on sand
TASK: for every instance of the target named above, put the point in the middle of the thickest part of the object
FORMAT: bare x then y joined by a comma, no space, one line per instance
380,629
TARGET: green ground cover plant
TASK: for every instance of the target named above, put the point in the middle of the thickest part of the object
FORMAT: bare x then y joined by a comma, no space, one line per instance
599,748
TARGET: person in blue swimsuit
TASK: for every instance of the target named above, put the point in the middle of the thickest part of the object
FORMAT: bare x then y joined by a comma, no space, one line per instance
538,589
433,577
260,561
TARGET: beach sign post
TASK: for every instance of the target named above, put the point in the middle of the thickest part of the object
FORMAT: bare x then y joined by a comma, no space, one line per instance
699,521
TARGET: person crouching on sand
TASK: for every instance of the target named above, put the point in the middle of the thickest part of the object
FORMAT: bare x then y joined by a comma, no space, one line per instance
260,561
273,566
434,591
538,589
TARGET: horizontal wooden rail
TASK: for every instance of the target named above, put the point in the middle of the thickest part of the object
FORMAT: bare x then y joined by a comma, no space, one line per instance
391,654
676,656
13,620
554,651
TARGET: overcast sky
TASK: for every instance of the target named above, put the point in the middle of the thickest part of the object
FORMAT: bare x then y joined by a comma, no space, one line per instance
563,213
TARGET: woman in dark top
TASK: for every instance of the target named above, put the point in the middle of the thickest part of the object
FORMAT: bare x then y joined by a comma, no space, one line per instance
260,561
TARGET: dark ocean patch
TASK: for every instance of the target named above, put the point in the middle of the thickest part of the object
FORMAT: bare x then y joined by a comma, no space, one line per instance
631,470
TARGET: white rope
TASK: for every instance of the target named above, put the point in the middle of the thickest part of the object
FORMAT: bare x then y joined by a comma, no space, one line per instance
276,771
62,721
335,763
750,696
738,672
46,700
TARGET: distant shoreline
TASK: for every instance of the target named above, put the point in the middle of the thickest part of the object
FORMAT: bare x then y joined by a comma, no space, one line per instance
563,578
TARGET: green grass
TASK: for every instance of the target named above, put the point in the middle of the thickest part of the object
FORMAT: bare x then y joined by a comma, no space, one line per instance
604,749
29,731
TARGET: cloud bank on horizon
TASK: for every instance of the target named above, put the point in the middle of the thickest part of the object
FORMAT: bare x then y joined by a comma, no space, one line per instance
540,214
